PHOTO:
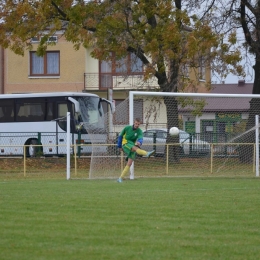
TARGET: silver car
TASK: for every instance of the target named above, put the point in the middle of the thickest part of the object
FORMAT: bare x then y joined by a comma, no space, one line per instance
156,138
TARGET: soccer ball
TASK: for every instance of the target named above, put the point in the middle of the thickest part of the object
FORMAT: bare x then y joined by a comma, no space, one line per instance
174,131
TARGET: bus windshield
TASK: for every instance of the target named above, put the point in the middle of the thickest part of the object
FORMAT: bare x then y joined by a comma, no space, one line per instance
90,116
91,111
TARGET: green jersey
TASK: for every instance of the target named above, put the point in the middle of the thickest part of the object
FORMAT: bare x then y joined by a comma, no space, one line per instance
131,135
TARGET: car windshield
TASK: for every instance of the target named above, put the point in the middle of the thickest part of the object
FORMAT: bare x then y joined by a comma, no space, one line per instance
163,134
149,134
184,135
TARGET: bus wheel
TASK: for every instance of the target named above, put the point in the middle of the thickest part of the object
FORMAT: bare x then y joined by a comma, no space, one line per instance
32,150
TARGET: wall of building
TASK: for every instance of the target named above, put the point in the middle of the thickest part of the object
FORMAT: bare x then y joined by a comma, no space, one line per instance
1,70
72,67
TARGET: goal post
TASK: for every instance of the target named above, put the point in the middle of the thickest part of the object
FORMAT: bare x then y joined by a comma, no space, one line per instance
68,146
131,122
221,120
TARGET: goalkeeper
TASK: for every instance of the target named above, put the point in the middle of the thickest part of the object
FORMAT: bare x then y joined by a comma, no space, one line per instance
130,139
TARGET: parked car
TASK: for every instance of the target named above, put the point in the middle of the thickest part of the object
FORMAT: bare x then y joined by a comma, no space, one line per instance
188,143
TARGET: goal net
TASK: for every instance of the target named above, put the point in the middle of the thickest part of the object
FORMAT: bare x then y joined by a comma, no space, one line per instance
217,136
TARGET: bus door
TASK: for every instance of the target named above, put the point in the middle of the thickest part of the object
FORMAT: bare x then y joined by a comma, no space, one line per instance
61,127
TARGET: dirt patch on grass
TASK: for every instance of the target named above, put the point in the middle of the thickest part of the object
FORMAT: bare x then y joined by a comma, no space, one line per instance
51,163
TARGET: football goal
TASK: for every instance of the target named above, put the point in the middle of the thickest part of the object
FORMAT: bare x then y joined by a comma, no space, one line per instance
219,136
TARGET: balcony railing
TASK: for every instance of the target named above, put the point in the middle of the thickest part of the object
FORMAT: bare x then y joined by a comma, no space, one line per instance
96,81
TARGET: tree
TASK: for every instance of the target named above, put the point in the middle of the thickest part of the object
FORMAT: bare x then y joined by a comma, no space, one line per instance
159,32
245,15
249,18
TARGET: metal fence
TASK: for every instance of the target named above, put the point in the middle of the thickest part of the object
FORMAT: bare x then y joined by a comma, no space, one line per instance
53,144
109,164
43,155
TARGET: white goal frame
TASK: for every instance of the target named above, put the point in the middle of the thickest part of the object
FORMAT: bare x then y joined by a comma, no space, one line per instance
132,94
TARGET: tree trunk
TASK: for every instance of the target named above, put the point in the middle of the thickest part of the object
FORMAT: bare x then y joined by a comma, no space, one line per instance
246,152
172,120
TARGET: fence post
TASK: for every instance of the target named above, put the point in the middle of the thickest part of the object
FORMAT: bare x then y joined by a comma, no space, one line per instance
257,146
39,142
75,158
79,143
24,161
211,157
167,159
191,145
154,142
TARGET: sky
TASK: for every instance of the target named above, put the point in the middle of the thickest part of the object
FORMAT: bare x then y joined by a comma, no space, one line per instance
247,61
234,79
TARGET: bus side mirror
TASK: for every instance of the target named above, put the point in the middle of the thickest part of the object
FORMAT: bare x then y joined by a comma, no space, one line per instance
76,104
112,105
113,109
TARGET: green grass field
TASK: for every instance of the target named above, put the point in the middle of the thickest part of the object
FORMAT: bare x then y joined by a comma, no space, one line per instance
156,218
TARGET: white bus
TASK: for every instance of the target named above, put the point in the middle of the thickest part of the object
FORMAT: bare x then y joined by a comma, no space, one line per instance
41,119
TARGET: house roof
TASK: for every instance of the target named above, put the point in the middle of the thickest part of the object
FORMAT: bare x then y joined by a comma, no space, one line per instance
238,88
227,104
230,104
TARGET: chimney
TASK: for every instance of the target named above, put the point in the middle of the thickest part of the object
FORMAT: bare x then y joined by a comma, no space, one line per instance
241,83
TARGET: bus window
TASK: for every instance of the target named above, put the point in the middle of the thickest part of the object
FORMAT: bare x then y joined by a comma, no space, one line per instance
62,115
62,110
50,112
29,111
73,110
93,117
36,111
21,112
6,111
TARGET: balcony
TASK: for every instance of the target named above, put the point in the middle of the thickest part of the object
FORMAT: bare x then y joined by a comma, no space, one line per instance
96,81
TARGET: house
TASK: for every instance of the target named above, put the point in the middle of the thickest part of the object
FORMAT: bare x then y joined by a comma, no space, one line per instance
1,70
221,118
125,75
61,69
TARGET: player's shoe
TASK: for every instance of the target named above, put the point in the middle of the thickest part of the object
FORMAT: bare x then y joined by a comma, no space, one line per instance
119,180
150,153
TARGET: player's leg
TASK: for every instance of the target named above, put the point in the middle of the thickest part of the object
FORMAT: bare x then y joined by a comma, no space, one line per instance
142,152
126,169
131,156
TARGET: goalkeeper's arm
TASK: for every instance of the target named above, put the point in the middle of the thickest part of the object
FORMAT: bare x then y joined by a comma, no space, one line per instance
139,142
119,141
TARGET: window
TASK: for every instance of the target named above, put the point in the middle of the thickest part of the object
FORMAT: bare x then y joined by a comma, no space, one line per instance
7,111
149,134
29,112
121,115
48,65
185,71
121,66
62,115
53,39
105,75
136,64
50,111
37,39
202,68
129,65
161,134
